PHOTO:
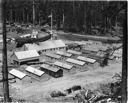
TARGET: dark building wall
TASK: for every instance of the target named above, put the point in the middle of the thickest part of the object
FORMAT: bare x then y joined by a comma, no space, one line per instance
59,73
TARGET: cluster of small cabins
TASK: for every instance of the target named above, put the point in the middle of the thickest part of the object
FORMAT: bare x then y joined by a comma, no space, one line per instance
57,60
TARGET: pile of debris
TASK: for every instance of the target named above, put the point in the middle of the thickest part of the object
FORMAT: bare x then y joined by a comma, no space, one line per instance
104,94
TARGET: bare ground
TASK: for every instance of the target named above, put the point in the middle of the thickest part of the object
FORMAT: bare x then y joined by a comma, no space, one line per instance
39,91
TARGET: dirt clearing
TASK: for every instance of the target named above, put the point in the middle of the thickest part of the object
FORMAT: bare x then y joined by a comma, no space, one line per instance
39,91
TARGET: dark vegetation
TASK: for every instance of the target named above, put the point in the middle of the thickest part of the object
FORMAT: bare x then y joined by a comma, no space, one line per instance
74,16
57,94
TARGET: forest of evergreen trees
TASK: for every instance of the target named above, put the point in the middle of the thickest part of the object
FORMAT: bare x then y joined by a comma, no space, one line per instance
75,16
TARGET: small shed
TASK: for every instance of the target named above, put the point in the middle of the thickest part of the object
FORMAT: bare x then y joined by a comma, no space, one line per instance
24,56
17,73
55,72
34,71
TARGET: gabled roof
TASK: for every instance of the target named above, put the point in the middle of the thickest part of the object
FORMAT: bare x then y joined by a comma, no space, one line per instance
49,44
34,71
17,73
64,53
63,65
74,52
74,61
26,54
86,59
48,67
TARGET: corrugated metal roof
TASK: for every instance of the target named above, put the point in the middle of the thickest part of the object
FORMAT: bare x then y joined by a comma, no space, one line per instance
26,54
75,61
53,55
74,52
49,44
17,73
34,71
63,53
86,59
48,67
63,65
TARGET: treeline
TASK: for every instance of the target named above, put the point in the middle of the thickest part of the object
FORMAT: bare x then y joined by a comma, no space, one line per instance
76,16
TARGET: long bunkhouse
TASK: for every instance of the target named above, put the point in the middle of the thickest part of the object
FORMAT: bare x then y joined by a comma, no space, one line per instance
55,72
24,56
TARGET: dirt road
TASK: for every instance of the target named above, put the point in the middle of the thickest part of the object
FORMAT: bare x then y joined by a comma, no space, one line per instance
89,79
74,36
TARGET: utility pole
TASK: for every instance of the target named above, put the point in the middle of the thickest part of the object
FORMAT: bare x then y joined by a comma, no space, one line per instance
4,66
33,5
63,18
51,26
23,16
11,16
124,62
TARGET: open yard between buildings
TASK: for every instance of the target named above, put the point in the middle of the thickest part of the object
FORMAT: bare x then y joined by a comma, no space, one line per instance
89,75
39,91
